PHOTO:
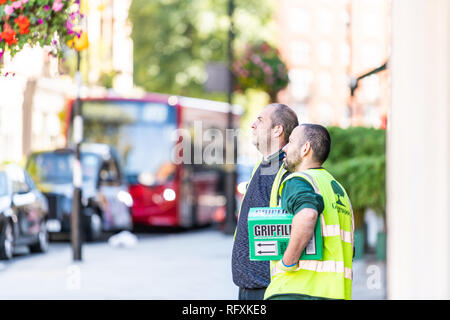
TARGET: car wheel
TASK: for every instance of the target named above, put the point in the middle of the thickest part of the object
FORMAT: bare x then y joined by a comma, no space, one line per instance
42,243
93,225
7,243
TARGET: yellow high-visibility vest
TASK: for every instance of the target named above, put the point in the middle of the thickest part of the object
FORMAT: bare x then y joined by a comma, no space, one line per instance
330,277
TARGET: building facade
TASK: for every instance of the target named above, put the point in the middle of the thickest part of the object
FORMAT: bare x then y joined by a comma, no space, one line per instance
326,44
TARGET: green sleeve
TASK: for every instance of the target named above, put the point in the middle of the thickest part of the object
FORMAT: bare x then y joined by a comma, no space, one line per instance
298,194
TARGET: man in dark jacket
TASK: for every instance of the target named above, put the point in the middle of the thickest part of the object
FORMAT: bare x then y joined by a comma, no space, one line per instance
270,133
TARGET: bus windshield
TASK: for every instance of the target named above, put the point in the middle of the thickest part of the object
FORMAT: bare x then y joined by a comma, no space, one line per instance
57,168
141,131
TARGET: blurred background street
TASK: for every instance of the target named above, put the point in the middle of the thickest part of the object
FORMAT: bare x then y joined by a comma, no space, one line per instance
188,265
126,115
121,123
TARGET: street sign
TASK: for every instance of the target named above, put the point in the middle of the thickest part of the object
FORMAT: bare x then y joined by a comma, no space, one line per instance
218,77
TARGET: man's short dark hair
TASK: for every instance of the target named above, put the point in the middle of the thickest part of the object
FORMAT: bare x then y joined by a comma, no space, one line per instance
285,117
320,140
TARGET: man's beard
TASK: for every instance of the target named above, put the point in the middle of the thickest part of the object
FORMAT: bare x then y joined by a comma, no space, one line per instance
289,165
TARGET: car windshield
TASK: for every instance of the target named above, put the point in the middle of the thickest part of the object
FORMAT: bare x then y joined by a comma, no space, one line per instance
141,132
55,167
3,184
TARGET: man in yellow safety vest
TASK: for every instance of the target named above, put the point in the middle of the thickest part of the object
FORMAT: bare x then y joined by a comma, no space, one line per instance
312,194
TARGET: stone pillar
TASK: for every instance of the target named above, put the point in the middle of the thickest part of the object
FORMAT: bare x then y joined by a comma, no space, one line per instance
418,156
27,115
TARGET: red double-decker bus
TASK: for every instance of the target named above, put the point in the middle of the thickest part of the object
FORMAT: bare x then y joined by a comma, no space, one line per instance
144,132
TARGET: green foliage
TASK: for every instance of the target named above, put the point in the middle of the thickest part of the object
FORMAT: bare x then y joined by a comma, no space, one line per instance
355,142
106,79
175,39
357,160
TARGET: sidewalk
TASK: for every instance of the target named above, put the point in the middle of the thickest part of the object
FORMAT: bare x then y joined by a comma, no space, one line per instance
191,265
369,279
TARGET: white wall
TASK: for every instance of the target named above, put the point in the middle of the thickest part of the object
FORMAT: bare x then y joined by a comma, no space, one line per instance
418,163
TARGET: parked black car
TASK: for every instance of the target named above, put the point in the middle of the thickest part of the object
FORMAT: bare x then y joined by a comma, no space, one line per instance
105,199
23,212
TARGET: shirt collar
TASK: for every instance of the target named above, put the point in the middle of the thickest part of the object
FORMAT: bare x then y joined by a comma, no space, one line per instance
277,155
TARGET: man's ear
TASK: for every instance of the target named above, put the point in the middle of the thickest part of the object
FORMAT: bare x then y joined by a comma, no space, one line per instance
278,131
306,148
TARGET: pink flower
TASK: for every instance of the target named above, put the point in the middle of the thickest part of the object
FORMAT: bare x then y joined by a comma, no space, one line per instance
9,10
57,5
17,5
69,26
267,70
256,59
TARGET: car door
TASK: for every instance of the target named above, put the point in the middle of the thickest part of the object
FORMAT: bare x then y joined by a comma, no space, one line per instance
114,195
23,200
40,205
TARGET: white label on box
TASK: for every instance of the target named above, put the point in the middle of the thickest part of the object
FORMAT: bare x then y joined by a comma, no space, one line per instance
266,248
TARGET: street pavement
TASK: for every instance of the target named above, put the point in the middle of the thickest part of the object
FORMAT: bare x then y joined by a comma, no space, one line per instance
190,265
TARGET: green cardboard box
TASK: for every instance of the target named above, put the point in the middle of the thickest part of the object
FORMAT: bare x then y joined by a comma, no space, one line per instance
269,231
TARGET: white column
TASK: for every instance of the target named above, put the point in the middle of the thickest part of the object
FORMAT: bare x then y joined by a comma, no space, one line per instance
418,156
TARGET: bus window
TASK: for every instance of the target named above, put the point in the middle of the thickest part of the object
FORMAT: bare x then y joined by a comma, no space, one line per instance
142,133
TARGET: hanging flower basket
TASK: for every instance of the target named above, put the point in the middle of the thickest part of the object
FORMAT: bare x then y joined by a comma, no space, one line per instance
48,23
260,67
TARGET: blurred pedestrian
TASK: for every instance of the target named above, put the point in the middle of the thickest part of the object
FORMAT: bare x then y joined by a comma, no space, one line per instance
270,132
312,193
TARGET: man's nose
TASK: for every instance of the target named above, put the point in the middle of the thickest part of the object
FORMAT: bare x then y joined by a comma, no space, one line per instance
253,125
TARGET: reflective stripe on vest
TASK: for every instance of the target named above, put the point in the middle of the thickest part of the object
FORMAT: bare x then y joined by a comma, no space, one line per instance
321,266
335,230
276,187
332,276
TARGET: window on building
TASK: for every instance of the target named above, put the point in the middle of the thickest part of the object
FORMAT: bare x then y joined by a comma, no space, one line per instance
324,81
371,88
372,116
302,112
299,20
371,24
325,113
326,22
300,83
371,55
300,53
325,53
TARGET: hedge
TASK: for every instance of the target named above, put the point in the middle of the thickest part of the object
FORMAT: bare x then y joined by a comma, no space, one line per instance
358,161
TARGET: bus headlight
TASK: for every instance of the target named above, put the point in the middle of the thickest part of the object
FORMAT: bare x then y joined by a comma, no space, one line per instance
241,187
169,194
125,198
